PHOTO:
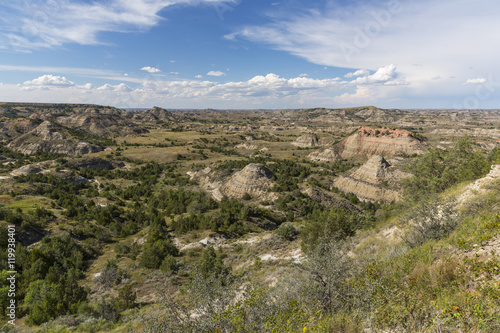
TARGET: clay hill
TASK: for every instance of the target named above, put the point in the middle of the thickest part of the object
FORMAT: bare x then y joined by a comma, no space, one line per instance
325,155
13,128
254,179
51,138
156,115
376,180
368,141
306,141
100,121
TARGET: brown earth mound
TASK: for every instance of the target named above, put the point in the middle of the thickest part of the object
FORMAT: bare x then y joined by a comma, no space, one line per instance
325,155
50,138
254,179
306,141
376,180
369,141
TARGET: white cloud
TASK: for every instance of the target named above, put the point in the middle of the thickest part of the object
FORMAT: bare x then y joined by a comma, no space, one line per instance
386,75
122,87
174,73
476,81
262,90
216,73
370,34
362,96
33,24
50,80
303,75
383,88
359,72
150,69
87,86
199,76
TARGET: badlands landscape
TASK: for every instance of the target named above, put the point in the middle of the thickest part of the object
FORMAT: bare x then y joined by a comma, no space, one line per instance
306,220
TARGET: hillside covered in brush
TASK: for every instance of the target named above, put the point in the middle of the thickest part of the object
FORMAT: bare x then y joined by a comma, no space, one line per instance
309,220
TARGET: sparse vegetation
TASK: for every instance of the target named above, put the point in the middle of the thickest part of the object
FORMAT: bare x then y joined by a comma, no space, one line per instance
99,237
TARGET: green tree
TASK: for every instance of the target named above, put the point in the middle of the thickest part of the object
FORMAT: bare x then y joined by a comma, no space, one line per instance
334,223
42,302
157,247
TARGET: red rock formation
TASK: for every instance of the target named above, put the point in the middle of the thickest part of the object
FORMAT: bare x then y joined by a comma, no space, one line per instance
369,141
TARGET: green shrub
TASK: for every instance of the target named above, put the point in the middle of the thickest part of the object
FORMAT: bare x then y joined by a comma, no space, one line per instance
287,232
334,223
212,263
126,298
439,169
157,247
169,264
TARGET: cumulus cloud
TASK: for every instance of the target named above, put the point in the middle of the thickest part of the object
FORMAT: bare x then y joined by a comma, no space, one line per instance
303,75
199,76
58,22
122,87
87,86
150,69
386,75
370,34
216,73
50,80
362,95
479,80
270,90
359,72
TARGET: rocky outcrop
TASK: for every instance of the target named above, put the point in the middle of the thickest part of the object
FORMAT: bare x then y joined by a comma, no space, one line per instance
374,115
50,138
13,128
209,180
246,146
325,155
162,114
376,180
254,179
48,167
369,141
101,121
156,115
306,141
25,170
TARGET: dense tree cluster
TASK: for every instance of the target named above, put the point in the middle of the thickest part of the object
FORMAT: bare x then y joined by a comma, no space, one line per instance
440,169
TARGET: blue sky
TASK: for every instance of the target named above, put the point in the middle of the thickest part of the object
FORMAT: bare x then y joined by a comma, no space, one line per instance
252,53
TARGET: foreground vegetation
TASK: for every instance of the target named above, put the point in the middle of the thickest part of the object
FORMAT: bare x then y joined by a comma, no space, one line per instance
142,247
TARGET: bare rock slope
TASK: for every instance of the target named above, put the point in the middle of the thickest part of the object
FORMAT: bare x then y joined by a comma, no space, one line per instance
376,180
368,141
325,155
50,138
306,141
254,179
